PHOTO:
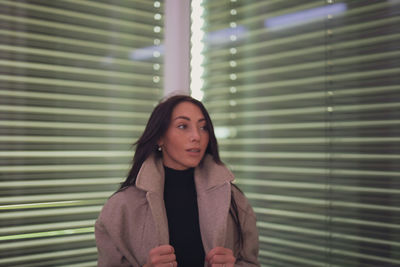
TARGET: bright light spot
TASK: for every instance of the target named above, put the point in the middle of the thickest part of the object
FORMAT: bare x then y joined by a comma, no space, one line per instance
157,29
224,132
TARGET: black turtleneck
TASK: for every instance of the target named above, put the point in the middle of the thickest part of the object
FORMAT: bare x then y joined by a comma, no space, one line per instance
183,217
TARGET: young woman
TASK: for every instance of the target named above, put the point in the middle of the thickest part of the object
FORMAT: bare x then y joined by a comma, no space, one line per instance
177,206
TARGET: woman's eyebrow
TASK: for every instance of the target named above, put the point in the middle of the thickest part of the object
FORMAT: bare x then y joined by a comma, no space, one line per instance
188,119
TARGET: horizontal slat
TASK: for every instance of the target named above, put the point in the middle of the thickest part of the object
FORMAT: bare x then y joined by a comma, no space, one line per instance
73,56
309,140
214,65
55,240
61,182
54,197
63,168
293,259
319,218
316,186
69,125
75,70
84,44
65,139
312,171
319,249
90,17
18,230
322,233
321,202
306,155
77,98
73,111
119,9
50,255
77,84
49,212
79,29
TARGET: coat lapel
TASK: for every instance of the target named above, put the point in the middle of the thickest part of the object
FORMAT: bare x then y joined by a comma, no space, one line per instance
151,179
213,199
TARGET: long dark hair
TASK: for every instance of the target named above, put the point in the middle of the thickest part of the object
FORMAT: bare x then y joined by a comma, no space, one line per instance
156,127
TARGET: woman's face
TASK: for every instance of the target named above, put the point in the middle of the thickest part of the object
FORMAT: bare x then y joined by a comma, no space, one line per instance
186,140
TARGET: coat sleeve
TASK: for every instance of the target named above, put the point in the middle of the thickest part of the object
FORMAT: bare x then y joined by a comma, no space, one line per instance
249,251
248,255
108,253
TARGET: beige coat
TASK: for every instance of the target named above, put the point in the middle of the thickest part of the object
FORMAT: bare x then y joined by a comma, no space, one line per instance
134,221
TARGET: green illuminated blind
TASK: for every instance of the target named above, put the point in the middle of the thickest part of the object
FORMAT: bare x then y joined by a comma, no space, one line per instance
78,80
305,97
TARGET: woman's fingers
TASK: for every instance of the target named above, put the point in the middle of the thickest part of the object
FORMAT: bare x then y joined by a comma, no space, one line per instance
162,256
220,257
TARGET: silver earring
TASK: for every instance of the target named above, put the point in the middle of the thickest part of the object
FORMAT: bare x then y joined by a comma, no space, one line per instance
159,148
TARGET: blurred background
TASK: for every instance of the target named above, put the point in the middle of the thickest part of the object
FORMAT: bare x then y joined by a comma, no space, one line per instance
304,96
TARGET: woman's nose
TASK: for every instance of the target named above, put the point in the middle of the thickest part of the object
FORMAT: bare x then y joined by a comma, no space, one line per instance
195,135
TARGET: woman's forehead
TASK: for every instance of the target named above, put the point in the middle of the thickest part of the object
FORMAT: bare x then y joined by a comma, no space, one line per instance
188,110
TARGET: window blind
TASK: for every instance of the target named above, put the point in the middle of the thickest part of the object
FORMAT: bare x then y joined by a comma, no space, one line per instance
305,97
78,80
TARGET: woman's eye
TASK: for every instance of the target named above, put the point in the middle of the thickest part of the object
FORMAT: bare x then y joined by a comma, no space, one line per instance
204,128
182,126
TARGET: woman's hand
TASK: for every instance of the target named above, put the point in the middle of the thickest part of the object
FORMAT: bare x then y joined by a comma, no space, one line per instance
162,256
220,257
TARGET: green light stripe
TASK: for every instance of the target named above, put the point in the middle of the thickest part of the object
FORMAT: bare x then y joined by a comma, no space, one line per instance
320,202
72,231
107,7
295,260
313,125
298,67
80,29
24,229
50,255
70,55
270,44
79,84
315,186
78,98
85,16
51,213
305,155
322,233
75,70
68,41
302,111
313,171
76,111
34,205
45,200
63,168
65,154
333,219
309,140
62,182
66,139
68,125
314,80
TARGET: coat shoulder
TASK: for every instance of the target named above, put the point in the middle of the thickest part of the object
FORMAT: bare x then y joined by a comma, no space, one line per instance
241,200
123,201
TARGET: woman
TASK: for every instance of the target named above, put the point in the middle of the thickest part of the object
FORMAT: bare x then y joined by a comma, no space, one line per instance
177,206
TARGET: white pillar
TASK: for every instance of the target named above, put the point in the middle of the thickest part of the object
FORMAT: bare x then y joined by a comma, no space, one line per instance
177,47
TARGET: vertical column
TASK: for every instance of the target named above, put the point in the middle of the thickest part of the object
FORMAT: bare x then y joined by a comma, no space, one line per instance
177,47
